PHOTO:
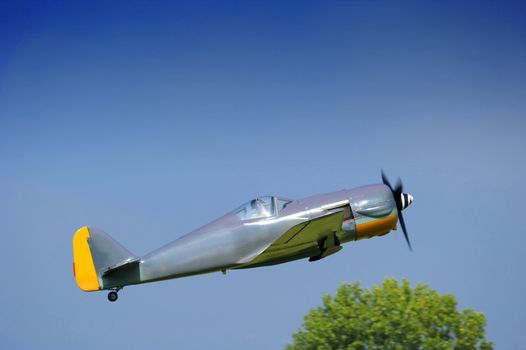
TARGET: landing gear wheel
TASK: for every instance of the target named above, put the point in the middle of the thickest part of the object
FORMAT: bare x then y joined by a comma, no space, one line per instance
113,296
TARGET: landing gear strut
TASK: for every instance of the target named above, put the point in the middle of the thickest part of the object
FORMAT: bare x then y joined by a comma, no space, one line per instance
113,296
328,245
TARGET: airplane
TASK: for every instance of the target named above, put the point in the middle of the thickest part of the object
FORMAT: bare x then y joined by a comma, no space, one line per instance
265,231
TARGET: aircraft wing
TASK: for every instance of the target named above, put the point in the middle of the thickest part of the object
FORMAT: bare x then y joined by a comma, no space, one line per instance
301,241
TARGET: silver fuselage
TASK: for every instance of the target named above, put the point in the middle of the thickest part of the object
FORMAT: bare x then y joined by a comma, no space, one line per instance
230,242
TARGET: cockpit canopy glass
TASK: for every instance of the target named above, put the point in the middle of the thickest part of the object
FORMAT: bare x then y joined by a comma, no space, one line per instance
282,203
261,207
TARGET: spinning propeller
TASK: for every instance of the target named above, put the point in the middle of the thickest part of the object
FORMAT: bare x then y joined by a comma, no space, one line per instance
403,200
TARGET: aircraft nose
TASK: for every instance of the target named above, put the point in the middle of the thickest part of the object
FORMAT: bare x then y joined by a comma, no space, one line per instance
407,199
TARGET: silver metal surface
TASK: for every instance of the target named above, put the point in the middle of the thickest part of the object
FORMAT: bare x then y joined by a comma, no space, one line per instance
264,231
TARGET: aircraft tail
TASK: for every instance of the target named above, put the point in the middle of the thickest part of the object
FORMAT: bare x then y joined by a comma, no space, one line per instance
95,255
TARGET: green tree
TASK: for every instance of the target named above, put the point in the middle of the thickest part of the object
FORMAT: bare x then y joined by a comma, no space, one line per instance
390,316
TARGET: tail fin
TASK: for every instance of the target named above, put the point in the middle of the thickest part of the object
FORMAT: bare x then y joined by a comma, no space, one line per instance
95,253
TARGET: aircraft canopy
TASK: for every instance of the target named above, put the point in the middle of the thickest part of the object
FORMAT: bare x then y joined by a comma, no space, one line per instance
261,207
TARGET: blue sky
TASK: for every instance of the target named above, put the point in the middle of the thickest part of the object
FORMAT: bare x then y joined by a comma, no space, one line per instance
150,120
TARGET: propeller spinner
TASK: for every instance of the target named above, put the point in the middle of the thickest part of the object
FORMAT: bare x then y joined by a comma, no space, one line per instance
403,200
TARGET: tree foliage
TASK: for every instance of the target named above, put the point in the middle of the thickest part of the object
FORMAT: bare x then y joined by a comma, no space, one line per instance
390,316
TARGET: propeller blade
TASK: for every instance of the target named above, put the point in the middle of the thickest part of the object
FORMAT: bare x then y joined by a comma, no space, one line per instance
399,186
397,195
402,223
386,181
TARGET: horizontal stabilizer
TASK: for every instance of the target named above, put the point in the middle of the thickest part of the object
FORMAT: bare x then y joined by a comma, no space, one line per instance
125,265
123,274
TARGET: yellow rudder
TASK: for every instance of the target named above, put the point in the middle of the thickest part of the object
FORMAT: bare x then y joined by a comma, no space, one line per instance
83,266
